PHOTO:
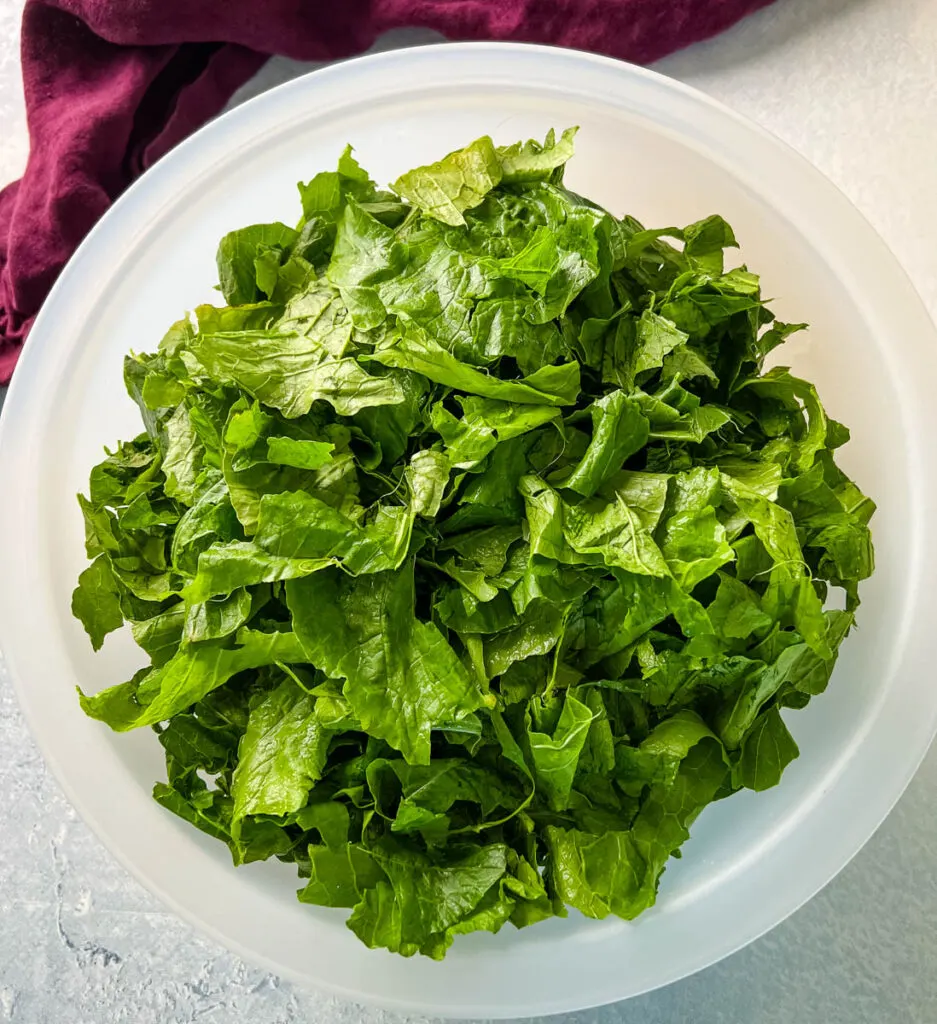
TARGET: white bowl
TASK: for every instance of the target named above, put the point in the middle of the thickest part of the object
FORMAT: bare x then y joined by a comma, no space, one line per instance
647,146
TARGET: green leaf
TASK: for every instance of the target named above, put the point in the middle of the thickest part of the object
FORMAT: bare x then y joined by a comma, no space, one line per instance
187,677
288,451
458,182
401,677
161,391
365,253
210,811
705,241
428,792
551,385
183,453
618,430
329,818
236,254
281,755
226,567
531,161
767,749
796,667
736,611
193,744
604,533
246,426
161,634
96,601
598,874
656,337
485,423
773,525
428,476
778,384
620,612
299,534
213,619
662,824
691,538
423,898
298,362
290,372
299,526
340,877
538,632
555,757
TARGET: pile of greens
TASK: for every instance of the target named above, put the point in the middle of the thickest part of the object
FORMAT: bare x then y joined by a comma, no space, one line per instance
473,548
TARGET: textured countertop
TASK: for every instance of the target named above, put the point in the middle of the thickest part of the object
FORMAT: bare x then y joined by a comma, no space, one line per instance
852,84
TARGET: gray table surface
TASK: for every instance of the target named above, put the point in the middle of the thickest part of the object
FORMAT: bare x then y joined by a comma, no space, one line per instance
852,84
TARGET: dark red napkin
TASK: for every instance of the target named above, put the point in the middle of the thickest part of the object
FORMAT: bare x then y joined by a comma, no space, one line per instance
111,85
